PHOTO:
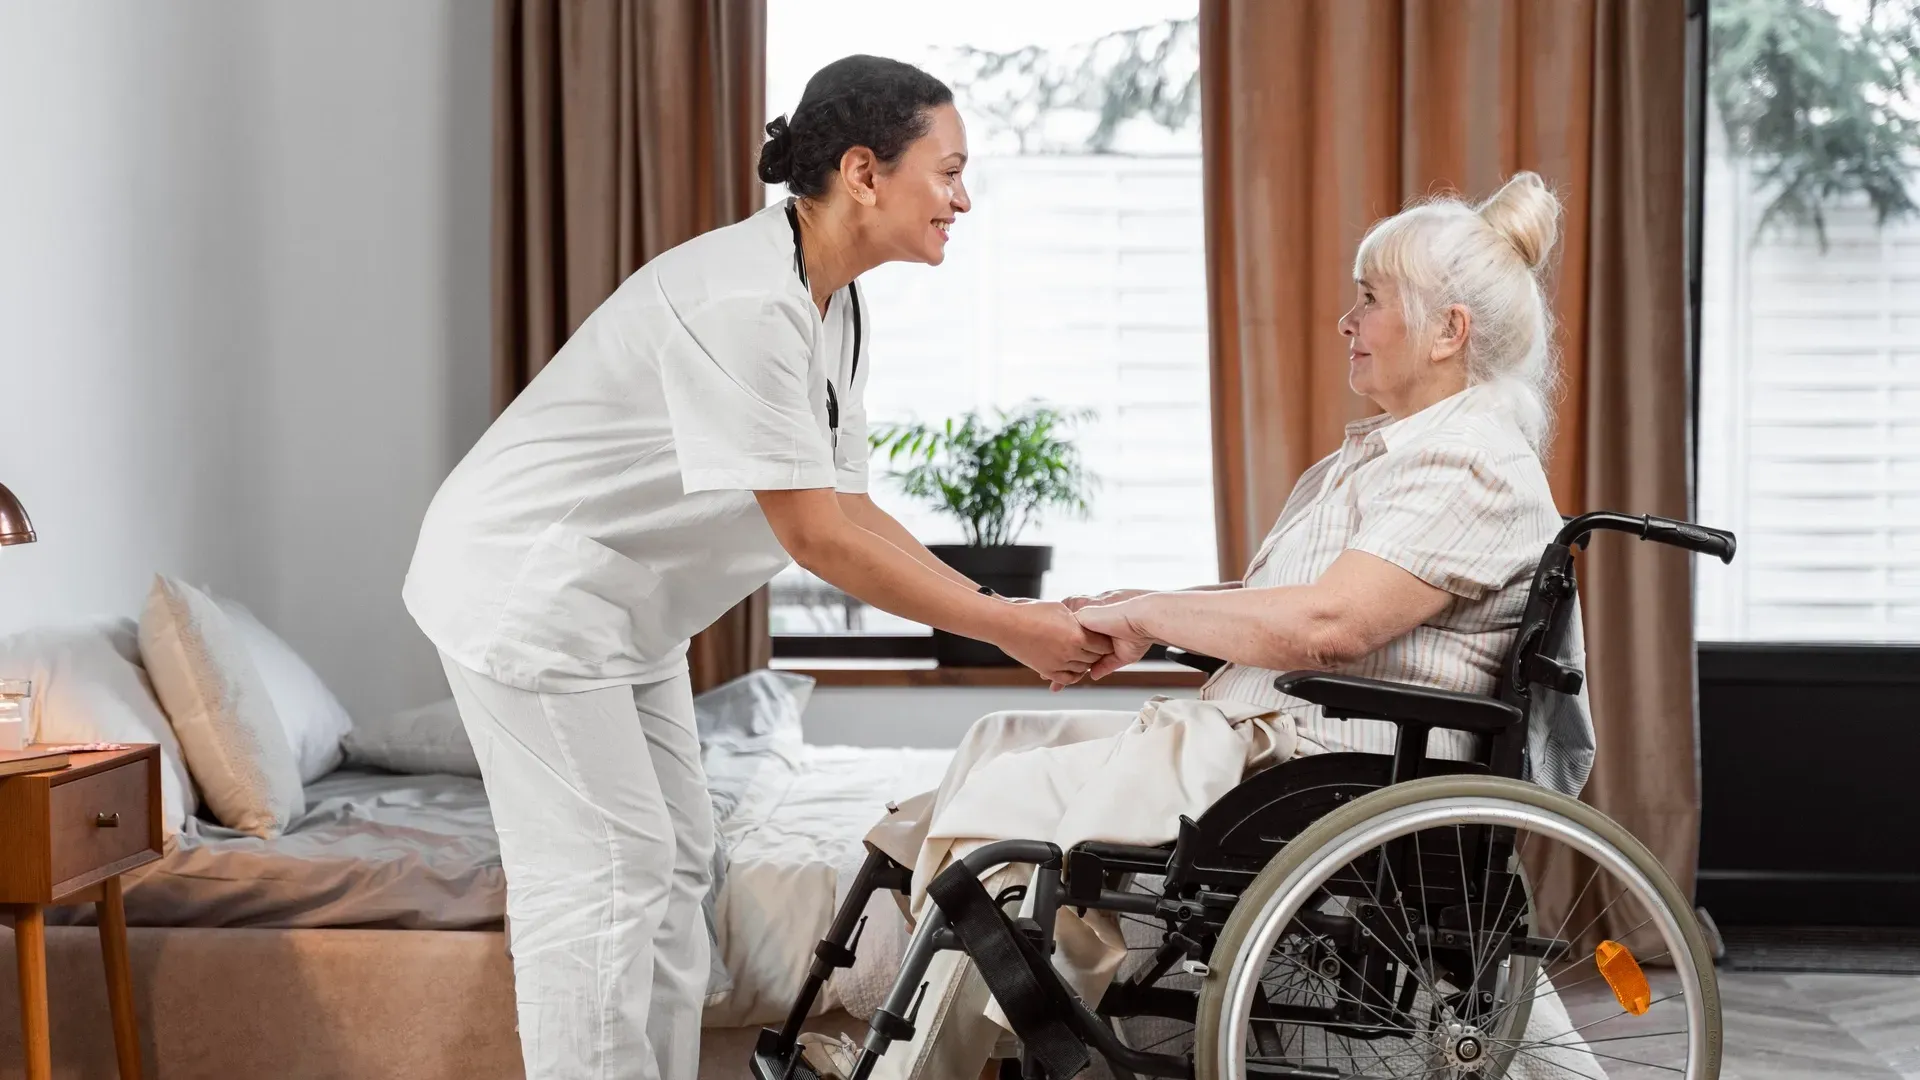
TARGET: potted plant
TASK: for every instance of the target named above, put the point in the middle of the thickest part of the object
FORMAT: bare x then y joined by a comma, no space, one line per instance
997,478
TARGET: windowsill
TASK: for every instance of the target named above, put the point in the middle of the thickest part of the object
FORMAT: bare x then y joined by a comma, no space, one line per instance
1149,674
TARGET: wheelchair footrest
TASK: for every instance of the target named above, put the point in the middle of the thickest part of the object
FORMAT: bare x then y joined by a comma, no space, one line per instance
768,1064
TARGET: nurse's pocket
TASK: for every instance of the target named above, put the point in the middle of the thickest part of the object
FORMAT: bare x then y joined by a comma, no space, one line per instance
579,597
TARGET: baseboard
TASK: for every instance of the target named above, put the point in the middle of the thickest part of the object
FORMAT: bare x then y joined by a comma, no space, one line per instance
1809,898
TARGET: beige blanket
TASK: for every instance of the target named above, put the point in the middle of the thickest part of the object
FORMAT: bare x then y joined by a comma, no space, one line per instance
1083,775
1074,776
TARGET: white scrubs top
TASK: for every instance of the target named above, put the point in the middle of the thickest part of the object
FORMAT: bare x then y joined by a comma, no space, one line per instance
608,514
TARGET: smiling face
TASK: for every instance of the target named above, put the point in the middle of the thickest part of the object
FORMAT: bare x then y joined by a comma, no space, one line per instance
1402,368
919,195
1380,352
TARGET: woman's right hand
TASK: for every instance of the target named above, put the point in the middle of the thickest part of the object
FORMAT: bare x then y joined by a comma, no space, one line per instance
1047,638
1111,596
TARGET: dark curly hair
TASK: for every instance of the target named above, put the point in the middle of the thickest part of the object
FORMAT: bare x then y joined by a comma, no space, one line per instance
865,101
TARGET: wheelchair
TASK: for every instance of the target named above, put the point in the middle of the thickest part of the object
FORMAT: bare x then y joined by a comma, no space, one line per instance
1342,915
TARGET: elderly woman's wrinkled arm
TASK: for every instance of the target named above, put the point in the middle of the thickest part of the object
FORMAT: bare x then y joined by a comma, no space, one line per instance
1358,606
1115,596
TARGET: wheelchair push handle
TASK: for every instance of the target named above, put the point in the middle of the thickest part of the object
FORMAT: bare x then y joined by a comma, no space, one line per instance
1718,543
1701,539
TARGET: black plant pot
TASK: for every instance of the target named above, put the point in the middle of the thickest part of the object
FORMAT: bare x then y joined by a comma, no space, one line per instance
1008,569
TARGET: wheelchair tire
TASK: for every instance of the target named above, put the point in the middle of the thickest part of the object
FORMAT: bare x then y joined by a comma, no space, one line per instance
1301,856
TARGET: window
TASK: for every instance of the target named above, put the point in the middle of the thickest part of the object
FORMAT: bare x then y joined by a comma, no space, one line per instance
1809,421
1077,280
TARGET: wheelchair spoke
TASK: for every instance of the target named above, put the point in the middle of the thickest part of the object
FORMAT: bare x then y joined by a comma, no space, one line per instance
1333,1030
1158,1043
1347,1044
1560,933
1618,1015
1336,991
1613,1038
1420,867
1552,1064
1412,963
1466,901
1480,969
1506,932
1601,914
1348,947
1553,990
1527,1050
1415,1052
1558,1041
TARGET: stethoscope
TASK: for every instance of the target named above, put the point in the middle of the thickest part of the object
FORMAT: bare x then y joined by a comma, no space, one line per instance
800,266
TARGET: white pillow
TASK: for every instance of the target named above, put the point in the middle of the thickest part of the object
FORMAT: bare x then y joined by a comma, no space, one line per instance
314,719
429,739
741,715
88,686
234,743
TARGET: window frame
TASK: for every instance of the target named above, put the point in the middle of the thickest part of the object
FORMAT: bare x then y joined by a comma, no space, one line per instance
798,649
1754,698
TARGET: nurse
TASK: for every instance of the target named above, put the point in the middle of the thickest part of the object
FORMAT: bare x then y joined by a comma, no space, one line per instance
702,428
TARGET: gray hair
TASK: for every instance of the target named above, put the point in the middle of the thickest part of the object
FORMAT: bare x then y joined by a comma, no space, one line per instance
1489,259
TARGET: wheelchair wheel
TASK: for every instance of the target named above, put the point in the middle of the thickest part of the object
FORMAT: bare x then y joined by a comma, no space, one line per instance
1395,938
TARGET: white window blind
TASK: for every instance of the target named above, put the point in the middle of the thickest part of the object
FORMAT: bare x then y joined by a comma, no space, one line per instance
1079,280
1809,421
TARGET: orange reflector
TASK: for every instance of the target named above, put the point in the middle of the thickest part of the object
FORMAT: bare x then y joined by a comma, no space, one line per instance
1623,974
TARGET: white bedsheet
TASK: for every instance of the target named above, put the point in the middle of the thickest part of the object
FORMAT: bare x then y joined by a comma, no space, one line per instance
418,852
792,854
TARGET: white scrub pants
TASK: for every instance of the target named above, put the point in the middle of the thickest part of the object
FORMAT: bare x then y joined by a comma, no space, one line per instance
605,830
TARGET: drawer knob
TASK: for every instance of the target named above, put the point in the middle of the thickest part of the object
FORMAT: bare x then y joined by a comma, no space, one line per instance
106,821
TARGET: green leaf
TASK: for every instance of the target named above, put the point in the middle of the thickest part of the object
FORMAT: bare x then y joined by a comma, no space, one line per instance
995,477
1824,111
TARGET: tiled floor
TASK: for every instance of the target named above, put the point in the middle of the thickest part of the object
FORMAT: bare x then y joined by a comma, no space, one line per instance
1792,1026
1806,1027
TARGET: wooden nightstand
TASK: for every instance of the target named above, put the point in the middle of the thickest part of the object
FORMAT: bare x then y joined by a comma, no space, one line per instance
65,838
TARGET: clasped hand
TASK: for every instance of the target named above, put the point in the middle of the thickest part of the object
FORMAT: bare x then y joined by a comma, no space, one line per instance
1080,637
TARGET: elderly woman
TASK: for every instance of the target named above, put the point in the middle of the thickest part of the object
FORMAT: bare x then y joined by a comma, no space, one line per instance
1404,555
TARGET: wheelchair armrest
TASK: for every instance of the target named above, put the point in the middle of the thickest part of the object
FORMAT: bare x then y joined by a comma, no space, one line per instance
1352,697
1197,661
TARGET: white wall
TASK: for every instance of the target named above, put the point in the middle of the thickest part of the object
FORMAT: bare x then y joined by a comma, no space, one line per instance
244,323
243,307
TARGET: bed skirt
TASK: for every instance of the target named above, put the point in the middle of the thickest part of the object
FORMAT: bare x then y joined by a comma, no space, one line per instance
228,1004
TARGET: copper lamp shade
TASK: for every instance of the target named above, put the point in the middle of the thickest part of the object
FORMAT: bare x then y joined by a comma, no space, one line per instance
14,526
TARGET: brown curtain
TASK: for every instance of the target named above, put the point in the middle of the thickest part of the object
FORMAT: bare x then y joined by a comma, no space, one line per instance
621,128
1323,116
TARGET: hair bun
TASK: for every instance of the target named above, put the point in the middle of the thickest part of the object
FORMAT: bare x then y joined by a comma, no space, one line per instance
1527,215
776,155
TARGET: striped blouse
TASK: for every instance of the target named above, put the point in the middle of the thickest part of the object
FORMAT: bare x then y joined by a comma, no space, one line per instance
1453,495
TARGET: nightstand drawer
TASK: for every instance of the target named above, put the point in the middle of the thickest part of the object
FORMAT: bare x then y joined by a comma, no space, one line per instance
98,820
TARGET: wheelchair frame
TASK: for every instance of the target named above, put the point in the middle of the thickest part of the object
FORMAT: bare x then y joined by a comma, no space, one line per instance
1213,860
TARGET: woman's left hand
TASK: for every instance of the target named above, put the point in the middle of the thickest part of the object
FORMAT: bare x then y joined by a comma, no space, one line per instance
1120,623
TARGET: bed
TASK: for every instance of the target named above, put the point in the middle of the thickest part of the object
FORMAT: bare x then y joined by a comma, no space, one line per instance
368,939
412,860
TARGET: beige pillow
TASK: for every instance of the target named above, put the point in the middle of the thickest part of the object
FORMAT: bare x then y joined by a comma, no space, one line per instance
233,742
